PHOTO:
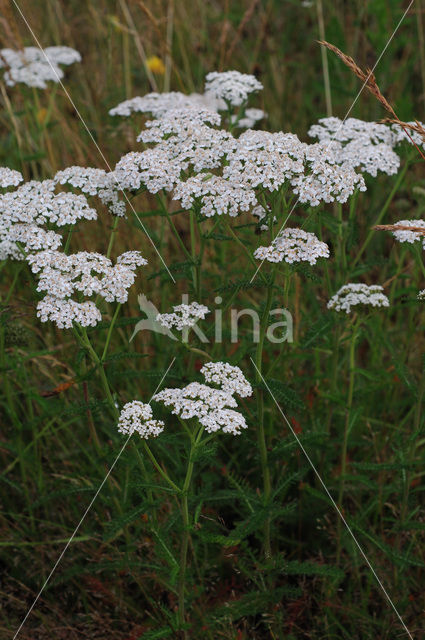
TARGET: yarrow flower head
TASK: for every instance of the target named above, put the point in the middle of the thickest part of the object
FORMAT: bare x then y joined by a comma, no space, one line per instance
35,67
61,275
351,295
37,203
159,104
249,119
65,312
137,417
228,377
9,177
366,145
25,211
265,159
183,139
405,235
213,408
22,239
324,180
216,195
293,245
178,122
183,316
231,86
401,134
153,169
268,160
188,138
94,182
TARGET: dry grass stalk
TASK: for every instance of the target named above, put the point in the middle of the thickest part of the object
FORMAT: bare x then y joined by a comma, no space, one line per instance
367,76
11,32
243,23
398,227
417,127
369,81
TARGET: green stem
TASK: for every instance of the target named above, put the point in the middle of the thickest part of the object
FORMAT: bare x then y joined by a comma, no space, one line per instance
195,350
173,228
109,335
342,256
346,432
261,436
14,281
196,266
324,53
158,467
186,524
68,240
246,250
418,254
84,340
112,236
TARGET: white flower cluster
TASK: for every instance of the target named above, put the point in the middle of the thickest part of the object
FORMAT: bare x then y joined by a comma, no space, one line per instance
369,135
401,135
324,180
421,295
23,213
366,145
152,168
217,195
183,139
137,417
21,239
9,177
212,407
404,235
35,67
94,182
231,86
186,140
179,123
37,203
261,158
61,275
158,104
351,295
184,315
249,119
230,378
349,129
293,245
65,312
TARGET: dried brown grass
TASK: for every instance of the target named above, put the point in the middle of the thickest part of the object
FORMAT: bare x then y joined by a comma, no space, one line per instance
369,82
398,227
